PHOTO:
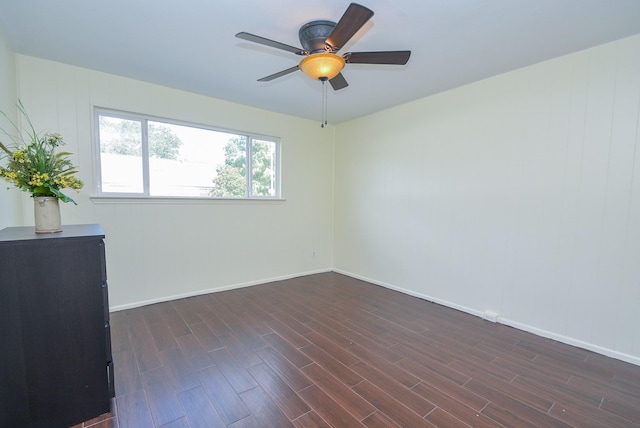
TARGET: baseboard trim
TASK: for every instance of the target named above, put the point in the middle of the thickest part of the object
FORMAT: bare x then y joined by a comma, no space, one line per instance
511,323
213,290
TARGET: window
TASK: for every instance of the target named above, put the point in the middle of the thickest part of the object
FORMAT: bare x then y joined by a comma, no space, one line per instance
143,156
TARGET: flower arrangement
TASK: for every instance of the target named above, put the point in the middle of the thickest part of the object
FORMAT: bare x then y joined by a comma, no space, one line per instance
33,164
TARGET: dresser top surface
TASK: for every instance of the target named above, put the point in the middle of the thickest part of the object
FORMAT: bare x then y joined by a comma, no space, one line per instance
12,234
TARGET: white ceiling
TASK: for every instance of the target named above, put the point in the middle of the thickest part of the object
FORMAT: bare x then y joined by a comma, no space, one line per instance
190,45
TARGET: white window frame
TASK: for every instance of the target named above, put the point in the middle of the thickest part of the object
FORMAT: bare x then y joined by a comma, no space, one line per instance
145,194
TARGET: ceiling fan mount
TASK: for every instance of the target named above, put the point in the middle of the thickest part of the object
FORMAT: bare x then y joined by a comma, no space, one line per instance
313,35
321,40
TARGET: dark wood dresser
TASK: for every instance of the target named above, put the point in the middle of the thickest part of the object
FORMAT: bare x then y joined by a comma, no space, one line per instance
56,368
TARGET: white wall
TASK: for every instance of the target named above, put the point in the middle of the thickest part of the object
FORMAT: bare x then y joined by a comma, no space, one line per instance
10,206
518,194
156,251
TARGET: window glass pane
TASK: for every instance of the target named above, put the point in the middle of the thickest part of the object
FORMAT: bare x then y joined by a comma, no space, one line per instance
121,155
183,160
263,174
231,180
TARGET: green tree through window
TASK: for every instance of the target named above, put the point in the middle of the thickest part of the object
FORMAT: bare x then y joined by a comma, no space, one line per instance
231,177
230,180
125,139
263,173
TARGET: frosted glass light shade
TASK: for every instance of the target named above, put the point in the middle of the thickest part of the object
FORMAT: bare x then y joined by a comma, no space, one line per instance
322,65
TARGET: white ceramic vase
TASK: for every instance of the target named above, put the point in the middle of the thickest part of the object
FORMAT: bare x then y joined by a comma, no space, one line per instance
47,214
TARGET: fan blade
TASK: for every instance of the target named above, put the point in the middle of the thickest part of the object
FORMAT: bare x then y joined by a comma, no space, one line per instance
338,82
268,42
385,57
279,74
353,19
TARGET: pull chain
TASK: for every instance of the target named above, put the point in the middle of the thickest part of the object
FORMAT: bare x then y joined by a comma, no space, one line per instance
324,102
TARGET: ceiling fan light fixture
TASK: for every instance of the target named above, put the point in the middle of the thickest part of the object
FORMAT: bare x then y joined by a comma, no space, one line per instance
322,66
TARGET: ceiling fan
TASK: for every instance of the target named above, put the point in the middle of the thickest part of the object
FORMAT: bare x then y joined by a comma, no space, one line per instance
321,40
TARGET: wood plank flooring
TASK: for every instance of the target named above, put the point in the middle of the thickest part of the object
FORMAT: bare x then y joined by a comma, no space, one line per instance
330,351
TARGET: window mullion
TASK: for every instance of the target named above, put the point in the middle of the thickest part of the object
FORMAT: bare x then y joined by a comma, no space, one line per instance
249,177
145,157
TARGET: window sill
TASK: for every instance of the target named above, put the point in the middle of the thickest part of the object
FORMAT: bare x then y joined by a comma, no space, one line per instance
102,200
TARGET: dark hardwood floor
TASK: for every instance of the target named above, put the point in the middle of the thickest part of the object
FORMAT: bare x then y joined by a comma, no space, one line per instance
328,350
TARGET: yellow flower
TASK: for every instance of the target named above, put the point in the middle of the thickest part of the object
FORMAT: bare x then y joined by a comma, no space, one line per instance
33,163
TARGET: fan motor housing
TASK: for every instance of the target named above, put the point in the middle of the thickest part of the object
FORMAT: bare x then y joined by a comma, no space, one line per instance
313,35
